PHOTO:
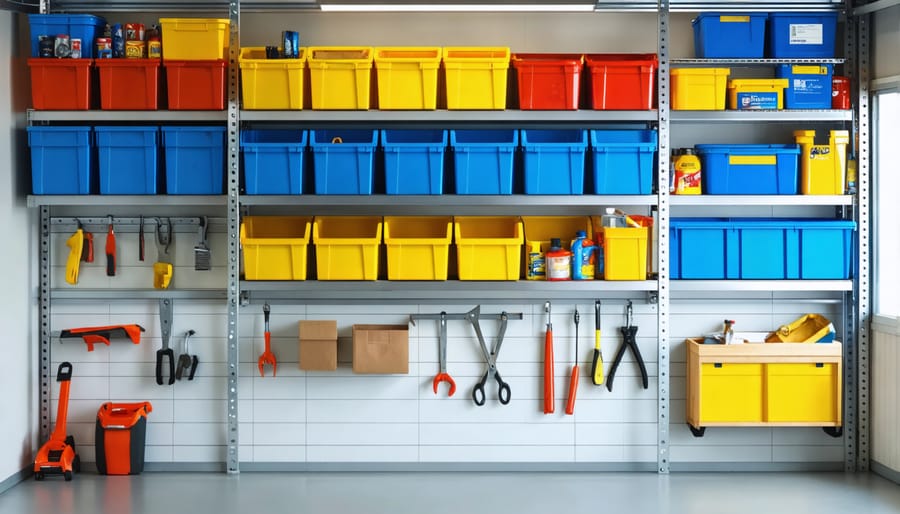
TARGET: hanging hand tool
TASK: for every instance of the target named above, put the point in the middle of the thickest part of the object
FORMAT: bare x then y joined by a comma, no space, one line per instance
573,380
442,375
141,240
201,251
110,250
102,335
87,249
628,334
76,250
187,363
504,393
267,356
597,363
549,402
165,324
162,268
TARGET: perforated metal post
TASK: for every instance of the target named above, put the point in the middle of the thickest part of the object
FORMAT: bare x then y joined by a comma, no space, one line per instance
234,14
44,365
663,241
861,284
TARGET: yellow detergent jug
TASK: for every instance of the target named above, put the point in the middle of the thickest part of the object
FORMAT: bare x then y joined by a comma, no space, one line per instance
687,172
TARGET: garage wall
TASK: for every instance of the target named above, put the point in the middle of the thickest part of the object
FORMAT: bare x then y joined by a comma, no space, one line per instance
310,419
17,432
885,43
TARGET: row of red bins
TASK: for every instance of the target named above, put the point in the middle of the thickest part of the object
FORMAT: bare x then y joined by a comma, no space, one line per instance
126,84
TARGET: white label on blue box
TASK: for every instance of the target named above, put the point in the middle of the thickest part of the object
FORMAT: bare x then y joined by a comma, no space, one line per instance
809,86
757,101
806,34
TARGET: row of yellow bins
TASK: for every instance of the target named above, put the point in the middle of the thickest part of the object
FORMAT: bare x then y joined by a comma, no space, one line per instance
418,247
407,77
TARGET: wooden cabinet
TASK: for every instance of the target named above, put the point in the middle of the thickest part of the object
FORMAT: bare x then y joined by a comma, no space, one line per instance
765,384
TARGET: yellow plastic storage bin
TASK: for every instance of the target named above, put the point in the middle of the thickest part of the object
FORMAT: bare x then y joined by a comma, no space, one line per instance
193,39
488,247
810,328
275,247
417,246
807,393
541,229
625,253
752,94
476,77
340,76
823,168
407,77
271,84
699,89
347,247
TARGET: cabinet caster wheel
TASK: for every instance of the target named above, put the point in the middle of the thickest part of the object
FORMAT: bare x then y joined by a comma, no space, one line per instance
68,476
697,432
39,475
834,431
76,464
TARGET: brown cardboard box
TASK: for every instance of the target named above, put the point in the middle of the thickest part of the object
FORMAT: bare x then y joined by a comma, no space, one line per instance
380,349
318,345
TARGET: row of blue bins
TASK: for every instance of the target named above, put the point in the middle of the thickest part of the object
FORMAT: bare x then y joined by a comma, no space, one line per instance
124,160
754,35
483,161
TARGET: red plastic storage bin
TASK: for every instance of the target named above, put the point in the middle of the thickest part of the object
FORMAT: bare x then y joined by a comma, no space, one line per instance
622,81
548,81
60,84
196,85
128,84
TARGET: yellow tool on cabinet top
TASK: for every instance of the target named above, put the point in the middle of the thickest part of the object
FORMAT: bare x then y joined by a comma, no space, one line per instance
162,268
76,247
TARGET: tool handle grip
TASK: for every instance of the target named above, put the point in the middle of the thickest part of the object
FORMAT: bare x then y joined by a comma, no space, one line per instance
88,249
110,264
573,390
549,403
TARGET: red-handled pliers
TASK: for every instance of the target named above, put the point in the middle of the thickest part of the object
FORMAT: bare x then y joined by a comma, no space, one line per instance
443,376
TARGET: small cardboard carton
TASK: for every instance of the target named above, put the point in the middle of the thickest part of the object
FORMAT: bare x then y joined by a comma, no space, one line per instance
318,345
381,349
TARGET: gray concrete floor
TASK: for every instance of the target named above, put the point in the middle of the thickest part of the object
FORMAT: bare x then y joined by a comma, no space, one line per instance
457,493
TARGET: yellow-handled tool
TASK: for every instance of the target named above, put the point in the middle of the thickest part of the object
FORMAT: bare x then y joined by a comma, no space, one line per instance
597,363
162,268
73,262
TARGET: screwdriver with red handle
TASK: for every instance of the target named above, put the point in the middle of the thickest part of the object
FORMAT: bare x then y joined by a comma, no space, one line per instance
549,404
573,380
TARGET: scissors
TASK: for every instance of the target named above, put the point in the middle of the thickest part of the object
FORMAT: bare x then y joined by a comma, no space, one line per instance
503,393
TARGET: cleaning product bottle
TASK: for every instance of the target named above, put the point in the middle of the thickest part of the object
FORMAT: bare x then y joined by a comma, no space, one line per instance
558,262
687,172
535,268
728,331
584,257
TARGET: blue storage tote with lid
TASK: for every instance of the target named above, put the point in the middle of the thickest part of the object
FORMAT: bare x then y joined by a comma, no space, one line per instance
483,161
749,169
765,249
809,85
273,161
77,26
127,159
414,161
729,36
343,161
60,160
803,35
554,161
623,161
194,160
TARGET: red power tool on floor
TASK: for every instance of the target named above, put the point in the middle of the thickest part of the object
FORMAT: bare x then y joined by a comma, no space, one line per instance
57,456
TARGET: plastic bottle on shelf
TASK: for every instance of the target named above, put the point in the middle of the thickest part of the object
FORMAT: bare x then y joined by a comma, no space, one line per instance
535,268
584,257
687,172
558,261
728,331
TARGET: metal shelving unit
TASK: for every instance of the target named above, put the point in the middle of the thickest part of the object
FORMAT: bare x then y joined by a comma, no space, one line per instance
128,116
73,294
761,285
751,62
444,117
761,115
742,200
124,200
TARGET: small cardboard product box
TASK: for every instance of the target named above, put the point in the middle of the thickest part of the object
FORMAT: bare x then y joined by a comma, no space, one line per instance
318,345
381,349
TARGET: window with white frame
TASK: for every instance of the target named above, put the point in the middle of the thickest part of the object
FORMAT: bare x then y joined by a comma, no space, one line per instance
886,189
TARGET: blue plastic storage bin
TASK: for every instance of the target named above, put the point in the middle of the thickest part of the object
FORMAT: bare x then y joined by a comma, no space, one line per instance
82,26
554,161
343,161
60,160
749,169
483,161
623,161
729,36
809,85
127,160
273,161
802,35
194,160
414,161
772,249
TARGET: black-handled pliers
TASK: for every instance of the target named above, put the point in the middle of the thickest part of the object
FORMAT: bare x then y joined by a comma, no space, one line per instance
628,332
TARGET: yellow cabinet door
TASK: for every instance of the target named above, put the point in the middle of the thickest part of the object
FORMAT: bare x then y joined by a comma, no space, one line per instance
806,392
731,393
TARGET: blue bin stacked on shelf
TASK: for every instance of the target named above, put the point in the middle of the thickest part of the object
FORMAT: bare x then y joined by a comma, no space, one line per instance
623,161
554,161
273,161
194,160
85,27
779,35
750,169
343,161
127,160
765,249
414,161
483,161
60,160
